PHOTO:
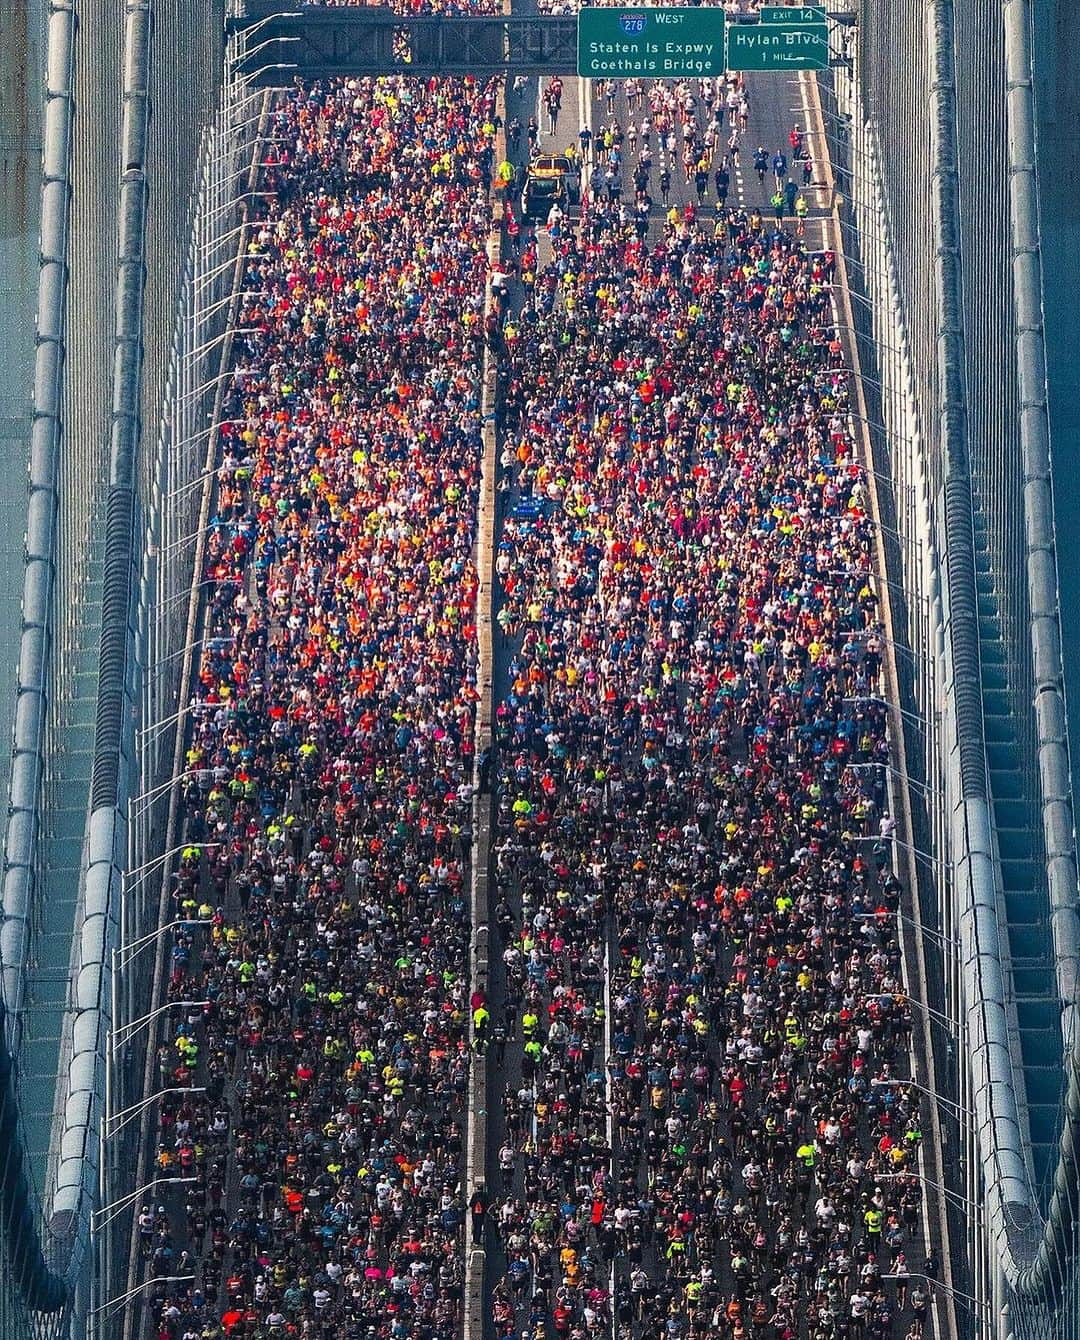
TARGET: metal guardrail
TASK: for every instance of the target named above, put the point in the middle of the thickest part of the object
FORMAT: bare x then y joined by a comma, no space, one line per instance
171,526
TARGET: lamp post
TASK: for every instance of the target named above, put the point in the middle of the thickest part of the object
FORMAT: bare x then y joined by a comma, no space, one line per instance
228,298
942,1020
261,46
235,128
234,200
859,335
935,862
293,70
962,1202
194,706
197,391
206,277
958,1113
126,953
967,1298
203,312
122,1036
885,432
173,545
103,1217
925,659
877,700
902,541
221,183
215,340
180,651
847,372
201,435
128,1114
148,866
121,1299
868,575
123,957
185,594
148,797
895,772
244,33
942,941
132,880
182,490
835,139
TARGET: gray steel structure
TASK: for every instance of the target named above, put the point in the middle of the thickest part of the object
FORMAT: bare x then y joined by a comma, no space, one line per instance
941,221
314,43
112,119
283,43
941,224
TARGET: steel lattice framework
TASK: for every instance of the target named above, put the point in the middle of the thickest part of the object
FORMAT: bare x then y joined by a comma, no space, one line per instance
275,44
279,45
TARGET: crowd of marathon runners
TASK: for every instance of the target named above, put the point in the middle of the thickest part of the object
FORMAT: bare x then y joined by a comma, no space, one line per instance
328,779
703,1128
683,131
695,1025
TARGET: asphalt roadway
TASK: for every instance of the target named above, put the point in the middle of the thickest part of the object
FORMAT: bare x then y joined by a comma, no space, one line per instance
777,103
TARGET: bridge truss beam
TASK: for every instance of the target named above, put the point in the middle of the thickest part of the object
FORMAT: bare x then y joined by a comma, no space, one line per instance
278,46
273,45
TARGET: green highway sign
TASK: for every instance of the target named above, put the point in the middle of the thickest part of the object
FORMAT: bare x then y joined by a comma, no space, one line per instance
785,14
655,42
771,45
667,43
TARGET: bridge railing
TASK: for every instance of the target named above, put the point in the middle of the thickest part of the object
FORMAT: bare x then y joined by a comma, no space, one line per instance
950,400
170,527
83,470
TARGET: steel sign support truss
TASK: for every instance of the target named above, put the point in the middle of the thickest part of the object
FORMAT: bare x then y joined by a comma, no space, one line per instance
273,46
276,47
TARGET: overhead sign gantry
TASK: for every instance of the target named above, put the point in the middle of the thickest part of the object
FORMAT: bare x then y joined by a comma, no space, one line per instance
653,42
275,44
687,42
782,39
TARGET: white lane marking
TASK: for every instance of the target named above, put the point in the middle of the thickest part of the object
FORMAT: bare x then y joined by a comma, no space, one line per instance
804,103
817,191
585,92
